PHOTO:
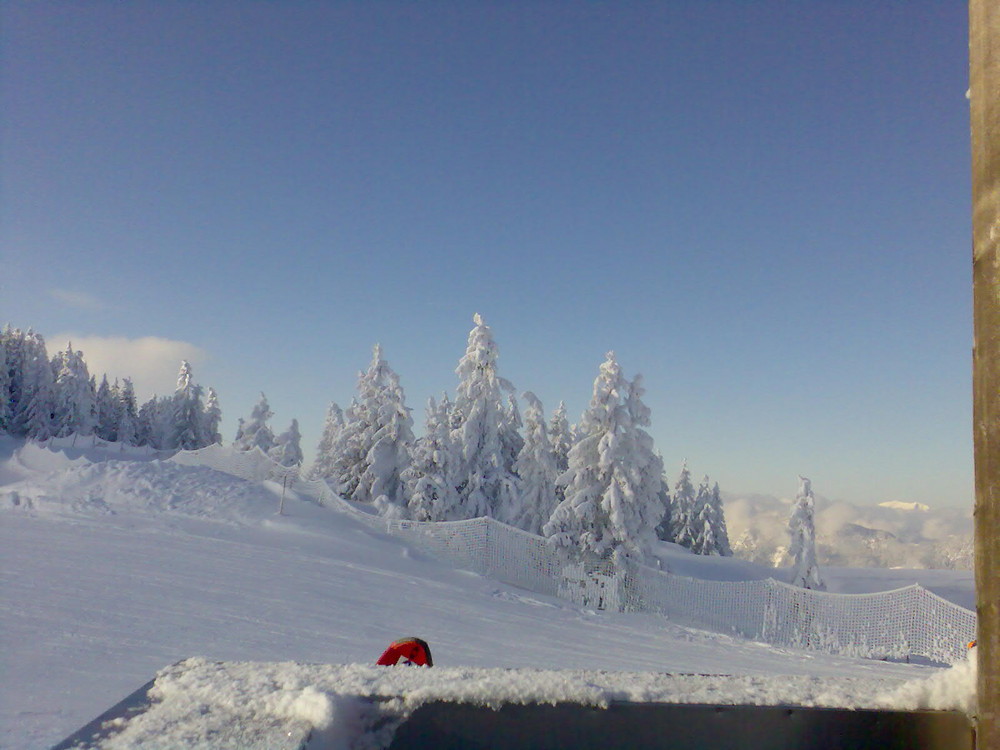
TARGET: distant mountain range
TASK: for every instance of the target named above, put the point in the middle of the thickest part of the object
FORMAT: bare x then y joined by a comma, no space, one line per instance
888,535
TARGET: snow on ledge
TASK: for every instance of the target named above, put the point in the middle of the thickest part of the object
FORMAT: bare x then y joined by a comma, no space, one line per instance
192,699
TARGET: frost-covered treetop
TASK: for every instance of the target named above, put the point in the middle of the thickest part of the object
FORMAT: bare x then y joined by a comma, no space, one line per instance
184,376
604,403
255,432
480,361
805,487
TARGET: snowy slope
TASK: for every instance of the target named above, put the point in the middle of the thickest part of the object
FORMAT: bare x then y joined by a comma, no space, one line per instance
110,571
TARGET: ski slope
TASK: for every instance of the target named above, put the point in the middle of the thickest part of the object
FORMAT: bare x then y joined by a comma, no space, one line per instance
112,570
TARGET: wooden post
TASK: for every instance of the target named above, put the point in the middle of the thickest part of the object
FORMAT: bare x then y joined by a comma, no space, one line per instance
281,505
984,87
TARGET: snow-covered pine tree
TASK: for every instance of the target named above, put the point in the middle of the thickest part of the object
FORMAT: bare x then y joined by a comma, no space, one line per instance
186,414
561,440
4,388
683,510
146,426
373,447
13,339
510,434
431,479
509,503
713,536
93,401
560,437
211,418
536,470
646,465
32,386
126,414
347,452
11,376
612,501
698,516
664,529
107,423
287,449
802,548
163,412
481,423
323,466
255,432
73,411
154,421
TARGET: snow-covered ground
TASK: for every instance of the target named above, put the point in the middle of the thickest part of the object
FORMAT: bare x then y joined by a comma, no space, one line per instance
112,570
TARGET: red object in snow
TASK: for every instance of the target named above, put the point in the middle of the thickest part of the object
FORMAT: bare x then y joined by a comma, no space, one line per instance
408,651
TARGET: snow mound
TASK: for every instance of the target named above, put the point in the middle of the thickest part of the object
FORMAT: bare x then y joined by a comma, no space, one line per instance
954,688
58,485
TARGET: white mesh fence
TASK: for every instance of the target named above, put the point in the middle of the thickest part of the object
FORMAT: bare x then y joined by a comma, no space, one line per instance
889,625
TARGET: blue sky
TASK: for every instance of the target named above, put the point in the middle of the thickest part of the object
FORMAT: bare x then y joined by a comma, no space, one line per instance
763,207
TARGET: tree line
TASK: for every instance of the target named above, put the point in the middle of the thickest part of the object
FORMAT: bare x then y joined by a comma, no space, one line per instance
597,486
43,397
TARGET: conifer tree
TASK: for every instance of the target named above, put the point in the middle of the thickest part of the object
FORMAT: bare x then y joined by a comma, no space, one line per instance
431,479
482,426
211,418
107,424
511,440
536,470
646,464
146,427
373,447
664,529
612,498
560,438
32,386
255,432
287,449
698,517
713,537
11,377
74,408
683,510
324,466
159,413
13,339
186,414
92,387
4,388
802,530
127,415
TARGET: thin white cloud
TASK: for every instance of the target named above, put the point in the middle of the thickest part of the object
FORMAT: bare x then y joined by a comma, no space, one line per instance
79,300
151,362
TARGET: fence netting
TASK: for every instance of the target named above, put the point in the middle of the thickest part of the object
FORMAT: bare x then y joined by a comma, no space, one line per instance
898,624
